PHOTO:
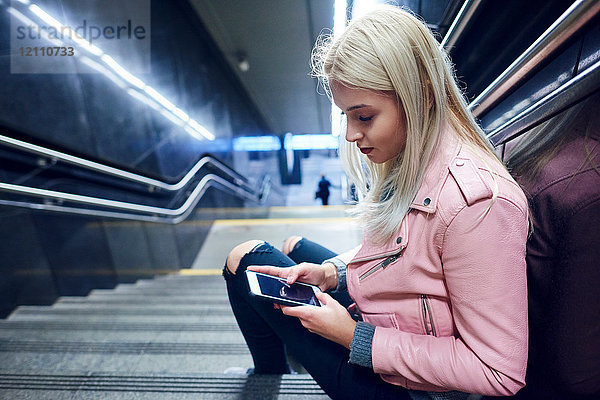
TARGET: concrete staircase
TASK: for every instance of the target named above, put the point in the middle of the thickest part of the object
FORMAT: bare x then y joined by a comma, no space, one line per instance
170,337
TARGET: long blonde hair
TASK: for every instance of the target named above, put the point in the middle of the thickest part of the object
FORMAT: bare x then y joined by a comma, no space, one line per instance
540,145
390,50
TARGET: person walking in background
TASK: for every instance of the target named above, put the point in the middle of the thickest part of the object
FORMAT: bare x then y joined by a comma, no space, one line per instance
323,190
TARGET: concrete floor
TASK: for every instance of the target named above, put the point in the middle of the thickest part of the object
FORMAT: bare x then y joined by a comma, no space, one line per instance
328,226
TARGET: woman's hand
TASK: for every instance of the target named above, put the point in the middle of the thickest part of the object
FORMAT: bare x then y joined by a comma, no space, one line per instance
331,320
323,276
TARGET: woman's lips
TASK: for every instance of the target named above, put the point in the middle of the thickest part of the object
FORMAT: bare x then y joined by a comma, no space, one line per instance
366,150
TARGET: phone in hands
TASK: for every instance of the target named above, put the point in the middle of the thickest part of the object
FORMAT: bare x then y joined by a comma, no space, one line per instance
277,290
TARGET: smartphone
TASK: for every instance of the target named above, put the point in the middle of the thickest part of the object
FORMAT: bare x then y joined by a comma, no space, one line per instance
277,290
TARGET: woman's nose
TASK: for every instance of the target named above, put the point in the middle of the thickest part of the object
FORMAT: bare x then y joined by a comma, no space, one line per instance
352,135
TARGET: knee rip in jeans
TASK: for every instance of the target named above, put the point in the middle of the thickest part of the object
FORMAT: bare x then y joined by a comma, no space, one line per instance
261,248
298,244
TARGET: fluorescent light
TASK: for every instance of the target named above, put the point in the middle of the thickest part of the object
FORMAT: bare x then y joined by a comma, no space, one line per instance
171,117
178,112
45,17
20,16
199,135
361,7
339,24
142,98
86,45
122,71
94,65
256,143
339,16
336,120
29,22
201,130
314,142
172,113
159,97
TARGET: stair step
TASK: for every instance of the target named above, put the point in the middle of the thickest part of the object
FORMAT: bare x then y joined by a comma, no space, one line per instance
143,299
212,336
122,386
110,316
122,309
118,326
159,291
122,347
108,362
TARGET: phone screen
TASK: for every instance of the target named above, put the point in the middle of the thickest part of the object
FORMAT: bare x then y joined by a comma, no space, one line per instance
277,287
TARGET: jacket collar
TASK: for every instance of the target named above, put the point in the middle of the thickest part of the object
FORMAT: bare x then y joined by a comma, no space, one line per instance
446,150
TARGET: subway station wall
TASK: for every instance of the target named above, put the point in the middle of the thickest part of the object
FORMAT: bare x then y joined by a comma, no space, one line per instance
86,112
44,255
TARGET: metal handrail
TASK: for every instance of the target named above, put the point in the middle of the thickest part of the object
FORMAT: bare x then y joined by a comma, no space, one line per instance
459,24
92,165
127,210
568,24
568,94
130,211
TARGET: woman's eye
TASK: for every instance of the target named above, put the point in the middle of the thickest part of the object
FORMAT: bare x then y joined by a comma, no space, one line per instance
365,119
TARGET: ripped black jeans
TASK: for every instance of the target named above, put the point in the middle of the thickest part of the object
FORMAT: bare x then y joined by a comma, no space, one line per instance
269,333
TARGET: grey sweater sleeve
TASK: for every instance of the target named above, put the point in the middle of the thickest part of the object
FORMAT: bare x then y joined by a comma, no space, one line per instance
341,273
362,344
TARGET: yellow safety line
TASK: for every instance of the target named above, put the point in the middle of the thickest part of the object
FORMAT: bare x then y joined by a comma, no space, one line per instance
245,210
280,221
304,208
200,272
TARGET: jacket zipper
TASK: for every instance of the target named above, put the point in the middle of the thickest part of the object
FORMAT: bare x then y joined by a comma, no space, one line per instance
427,316
381,265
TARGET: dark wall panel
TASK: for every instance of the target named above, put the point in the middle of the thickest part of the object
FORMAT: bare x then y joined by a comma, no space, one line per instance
26,276
129,249
163,247
77,252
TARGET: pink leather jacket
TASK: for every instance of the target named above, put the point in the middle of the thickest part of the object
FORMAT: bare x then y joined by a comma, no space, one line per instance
448,293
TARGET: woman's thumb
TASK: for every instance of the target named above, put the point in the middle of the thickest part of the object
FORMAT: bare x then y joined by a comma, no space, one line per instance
292,276
322,297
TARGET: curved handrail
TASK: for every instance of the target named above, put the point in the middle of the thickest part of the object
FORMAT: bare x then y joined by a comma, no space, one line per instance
126,210
568,24
463,17
569,93
82,162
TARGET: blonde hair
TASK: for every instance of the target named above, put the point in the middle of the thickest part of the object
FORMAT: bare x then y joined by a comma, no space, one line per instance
390,50
540,145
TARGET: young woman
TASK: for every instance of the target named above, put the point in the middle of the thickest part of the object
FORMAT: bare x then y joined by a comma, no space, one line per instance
438,286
